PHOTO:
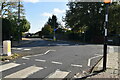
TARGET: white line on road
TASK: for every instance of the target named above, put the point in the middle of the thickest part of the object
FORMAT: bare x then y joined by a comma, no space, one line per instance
89,60
54,62
40,60
74,65
8,66
38,55
58,74
17,48
27,49
48,51
24,72
25,58
44,53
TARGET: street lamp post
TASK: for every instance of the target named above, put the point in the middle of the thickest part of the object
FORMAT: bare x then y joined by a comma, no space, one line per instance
107,2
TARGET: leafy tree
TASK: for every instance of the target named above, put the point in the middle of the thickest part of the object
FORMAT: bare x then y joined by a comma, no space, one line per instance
114,22
53,22
92,15
9,9
47,30
25,25
9,14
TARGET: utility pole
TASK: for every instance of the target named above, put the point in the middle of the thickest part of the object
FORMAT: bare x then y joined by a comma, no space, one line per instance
107,2
18,21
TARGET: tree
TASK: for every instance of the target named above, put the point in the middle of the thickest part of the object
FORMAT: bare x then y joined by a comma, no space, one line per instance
53,22
9,14
47,30
9,9
88,14
25,25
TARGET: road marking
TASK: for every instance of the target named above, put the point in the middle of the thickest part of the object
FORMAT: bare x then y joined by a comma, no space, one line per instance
54,62
23,63
38,55
58,74
48,51
17,48
40,60
25,58
74,65
8,66
27,49
24,72
89,60
44,53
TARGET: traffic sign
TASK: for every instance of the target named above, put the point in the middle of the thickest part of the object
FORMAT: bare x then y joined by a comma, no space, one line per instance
55,29
107,1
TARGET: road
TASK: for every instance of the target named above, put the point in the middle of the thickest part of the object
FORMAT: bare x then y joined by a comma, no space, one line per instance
49,59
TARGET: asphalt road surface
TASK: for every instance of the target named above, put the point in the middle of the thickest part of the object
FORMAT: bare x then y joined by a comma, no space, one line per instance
49,59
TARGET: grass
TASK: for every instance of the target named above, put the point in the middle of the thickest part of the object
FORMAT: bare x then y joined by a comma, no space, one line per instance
13,56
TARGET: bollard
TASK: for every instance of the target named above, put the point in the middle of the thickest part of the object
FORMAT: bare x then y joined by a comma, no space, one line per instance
7,47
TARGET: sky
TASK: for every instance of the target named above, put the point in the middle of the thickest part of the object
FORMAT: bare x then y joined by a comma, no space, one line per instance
37,13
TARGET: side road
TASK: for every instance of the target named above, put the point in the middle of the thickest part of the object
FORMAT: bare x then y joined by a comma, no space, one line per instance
22,42
112,70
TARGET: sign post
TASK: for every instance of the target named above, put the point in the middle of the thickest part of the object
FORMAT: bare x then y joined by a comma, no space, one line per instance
107,2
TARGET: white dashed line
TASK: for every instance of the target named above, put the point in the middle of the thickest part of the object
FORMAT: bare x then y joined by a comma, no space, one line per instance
74,65
54,62
25,58
27,49
17,48
48,51
38,55
44,53
40,60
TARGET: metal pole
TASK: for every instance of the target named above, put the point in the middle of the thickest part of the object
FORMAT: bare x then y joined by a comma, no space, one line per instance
105,39
19,21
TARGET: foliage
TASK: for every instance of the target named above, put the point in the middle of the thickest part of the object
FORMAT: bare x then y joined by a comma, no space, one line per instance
9,9
47,30
89,18
25,25
53,22
9,14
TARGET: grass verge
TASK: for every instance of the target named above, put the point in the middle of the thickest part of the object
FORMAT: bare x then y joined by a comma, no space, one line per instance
13,56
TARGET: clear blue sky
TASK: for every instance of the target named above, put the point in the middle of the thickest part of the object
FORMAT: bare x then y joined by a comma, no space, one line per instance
37,13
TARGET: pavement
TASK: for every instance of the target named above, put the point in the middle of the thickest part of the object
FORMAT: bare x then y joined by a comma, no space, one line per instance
112,71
